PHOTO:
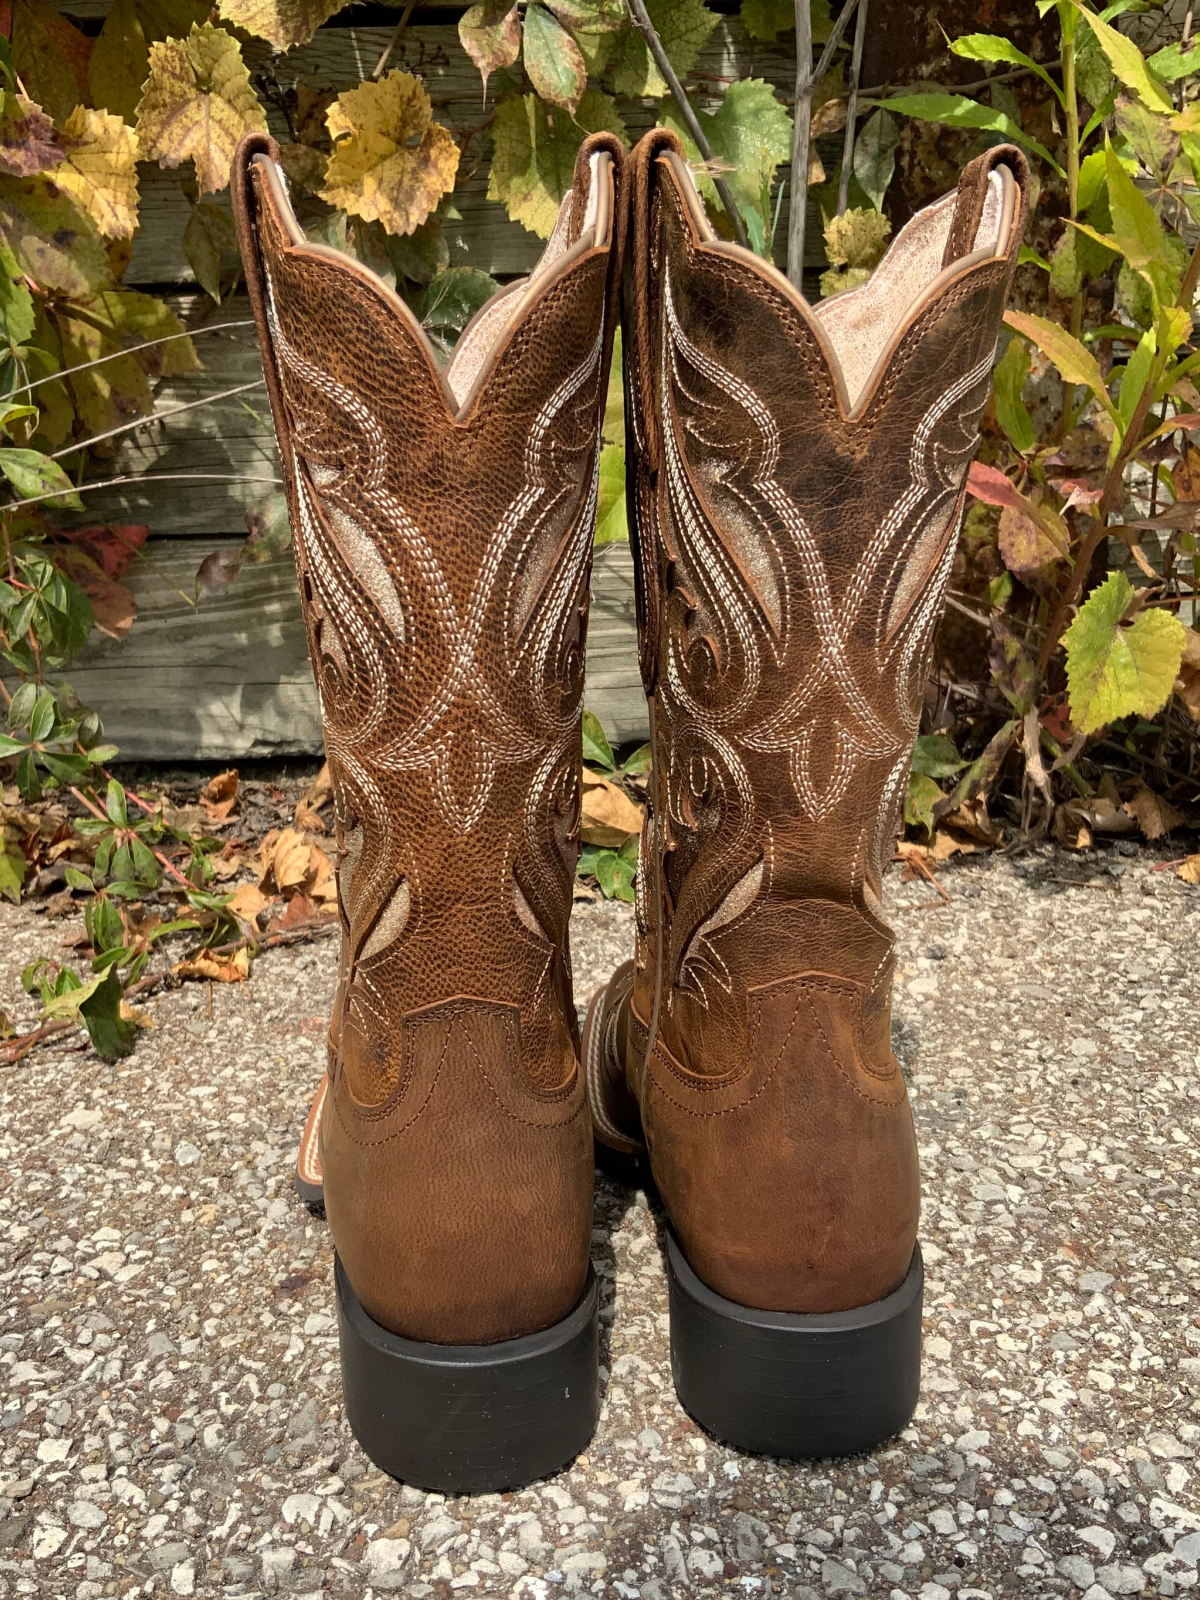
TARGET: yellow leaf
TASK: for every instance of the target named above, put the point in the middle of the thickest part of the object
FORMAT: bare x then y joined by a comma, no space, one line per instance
218,969
390,163
1189,870
197,104
283,23
100,170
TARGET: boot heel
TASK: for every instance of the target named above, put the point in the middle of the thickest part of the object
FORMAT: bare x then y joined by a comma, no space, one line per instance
780,1383
470,1419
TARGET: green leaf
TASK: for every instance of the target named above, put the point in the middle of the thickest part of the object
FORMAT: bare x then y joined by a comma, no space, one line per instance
16,302
112,1035
120,61
957,111
1175,61
1128,63
21,708
1093,75
683,26
1137,232
597,751
34,474
103,923
115,805
991,47
1073,360
751,134
534,150
41,722
923,794
1093,171
1011,371
767,19
612,524
875,155
935,756
556,68
615,875
208,240
1117,669
640,762
453,298
1136,376
12,870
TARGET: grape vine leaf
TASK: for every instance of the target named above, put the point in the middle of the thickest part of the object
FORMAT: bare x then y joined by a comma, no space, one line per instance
16,302
100,170
767,19
120,61
283,23
32,474
197,104
612,524
28,139
54,240
390,162
750,133
1118,669
553,60
490,33
535,147
104,324
683,26
50,56
208,239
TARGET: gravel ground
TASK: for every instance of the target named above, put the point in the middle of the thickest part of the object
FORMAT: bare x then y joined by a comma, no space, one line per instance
171,1416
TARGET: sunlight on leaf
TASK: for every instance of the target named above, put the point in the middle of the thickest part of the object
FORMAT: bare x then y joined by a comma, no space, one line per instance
1117,669
198,104
390,162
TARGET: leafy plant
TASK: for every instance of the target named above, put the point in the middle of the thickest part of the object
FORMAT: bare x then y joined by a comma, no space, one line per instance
1105,469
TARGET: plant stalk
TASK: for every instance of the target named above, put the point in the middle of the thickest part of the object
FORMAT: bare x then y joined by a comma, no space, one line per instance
640,18
860,34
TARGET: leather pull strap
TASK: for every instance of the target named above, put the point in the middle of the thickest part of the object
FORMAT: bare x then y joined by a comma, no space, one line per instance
972,196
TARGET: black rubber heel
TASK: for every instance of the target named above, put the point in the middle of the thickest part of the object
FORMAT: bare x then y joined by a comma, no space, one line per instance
471,1419
778,1383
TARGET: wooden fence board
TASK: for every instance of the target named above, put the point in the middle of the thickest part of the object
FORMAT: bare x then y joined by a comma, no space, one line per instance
229,678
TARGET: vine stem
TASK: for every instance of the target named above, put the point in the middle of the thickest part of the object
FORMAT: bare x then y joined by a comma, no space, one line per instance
381,64
139,477
807,78
156,416
860,34
132,350
640,18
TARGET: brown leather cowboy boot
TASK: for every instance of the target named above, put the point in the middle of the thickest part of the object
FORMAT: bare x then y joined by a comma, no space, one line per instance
796,497
442,529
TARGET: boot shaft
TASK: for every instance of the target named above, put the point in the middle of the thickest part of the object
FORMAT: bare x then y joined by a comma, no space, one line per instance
797,492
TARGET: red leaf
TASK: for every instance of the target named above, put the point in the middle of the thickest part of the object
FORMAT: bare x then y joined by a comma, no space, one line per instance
990,485
111,548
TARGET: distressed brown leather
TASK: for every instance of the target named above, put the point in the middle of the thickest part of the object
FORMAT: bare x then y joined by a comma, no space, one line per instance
443,548
793,543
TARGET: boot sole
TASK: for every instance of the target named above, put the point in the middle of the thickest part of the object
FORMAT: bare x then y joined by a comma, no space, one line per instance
471,1419
795,1385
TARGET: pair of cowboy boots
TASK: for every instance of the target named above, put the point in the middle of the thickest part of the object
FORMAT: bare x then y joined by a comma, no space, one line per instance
796,483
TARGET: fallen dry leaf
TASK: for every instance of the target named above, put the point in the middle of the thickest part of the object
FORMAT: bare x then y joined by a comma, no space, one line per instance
291,863
248,901
609,815
972,821
1153,815
1189,870
220,969
318,794
302,912
219,796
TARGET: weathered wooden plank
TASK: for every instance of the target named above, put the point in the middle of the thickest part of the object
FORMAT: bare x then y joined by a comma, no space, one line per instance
228,678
